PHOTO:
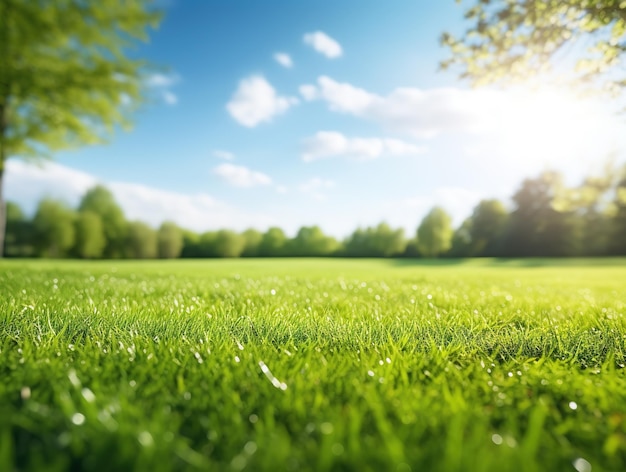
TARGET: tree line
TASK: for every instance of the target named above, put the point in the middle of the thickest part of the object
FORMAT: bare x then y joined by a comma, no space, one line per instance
547,219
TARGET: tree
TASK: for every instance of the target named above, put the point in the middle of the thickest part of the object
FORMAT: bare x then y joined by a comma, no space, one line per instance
191,244
100,200
618,233
65,80
273,243
19,232
461,245
513,39
228,243
379,241
488,221
90,238
170,240
252,239
311,241
54,228
538,226
434,234
141,241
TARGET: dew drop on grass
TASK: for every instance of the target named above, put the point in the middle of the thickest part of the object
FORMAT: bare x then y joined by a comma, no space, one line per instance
88,395
253,418
145,439
250,448
78,419
497,439
582,465
370,373
326,428
25,393
573,405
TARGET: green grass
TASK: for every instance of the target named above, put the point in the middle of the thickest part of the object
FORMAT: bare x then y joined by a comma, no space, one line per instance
313,365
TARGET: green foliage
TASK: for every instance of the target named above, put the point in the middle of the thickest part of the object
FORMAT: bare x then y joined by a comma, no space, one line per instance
311,241
312,365
434,234
488,222
66,79
170,241
19,232
53,227
273,243
90,238
618,224
537,225
228,243
379,241
100,200
252,239
141,241
516,39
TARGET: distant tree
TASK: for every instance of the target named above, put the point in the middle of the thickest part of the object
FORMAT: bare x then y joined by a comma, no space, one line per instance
191,244
141,241
590,202
434,234
19,232
252,239
618,226
461,245
100,200
53,228
379,241
90,239
273,243
65,76
488,222
537,226
228,243
170,240
311,241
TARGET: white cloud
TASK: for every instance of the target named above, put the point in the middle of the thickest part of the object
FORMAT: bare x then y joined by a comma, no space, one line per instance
170,98
422,113
308,92
241,176
284,59
26,183
315,186
529,129
255,101
323,44
326,144
161,80
225,155
162,84
281,189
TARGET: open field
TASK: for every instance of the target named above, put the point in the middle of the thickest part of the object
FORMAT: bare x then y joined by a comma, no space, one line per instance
313,364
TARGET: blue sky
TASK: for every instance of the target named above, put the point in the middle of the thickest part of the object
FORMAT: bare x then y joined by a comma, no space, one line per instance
350,125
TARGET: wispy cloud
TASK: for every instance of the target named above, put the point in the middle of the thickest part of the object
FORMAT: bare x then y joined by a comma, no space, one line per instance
315,187
255,101
241,176
323,44
225,155
162,84
328,144
284,59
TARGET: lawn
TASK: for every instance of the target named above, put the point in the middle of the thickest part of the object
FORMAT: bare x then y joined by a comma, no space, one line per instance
313,365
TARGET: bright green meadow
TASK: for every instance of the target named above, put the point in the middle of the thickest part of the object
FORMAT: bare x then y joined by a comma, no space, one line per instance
314,364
